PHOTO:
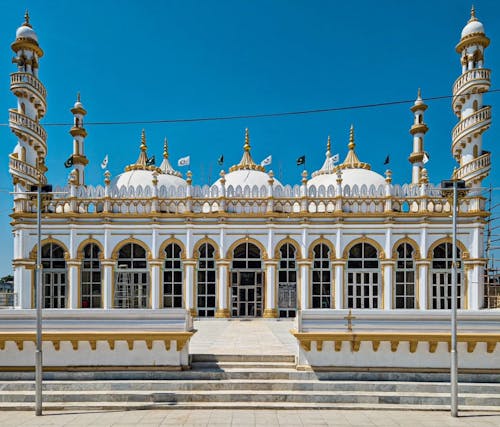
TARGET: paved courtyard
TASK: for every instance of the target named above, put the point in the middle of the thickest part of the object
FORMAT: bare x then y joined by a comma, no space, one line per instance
256,336
268,418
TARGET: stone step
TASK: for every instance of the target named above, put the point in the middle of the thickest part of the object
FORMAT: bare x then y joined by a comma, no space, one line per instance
205,385
241,365
107,405
265,396
242,358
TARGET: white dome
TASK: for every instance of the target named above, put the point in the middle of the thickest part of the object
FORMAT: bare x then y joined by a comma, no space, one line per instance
134,178
473,27
349,177
25,32
243,177
78,104
171,180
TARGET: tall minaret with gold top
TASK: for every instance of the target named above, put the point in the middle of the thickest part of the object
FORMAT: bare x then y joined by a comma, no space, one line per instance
474,118
418,130
27,162
78,133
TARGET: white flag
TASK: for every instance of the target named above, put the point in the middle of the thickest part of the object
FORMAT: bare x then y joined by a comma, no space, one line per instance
183,161
425,158
335,158
267,161
104,163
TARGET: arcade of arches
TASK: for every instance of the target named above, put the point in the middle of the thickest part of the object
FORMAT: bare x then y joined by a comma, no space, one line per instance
248,285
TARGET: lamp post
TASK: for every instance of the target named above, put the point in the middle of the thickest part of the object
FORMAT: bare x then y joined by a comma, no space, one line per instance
454,184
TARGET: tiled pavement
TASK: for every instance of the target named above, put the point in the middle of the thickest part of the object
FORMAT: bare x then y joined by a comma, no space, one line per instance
267,418
256,336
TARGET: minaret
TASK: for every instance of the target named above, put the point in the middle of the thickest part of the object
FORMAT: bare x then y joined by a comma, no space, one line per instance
27,162
79,133
418,130
474,117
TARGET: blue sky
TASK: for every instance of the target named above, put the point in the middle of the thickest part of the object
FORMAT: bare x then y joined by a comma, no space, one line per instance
137,60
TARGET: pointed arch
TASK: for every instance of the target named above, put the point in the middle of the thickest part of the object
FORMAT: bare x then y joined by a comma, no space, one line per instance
411,242
263,252
122,243
326,242
88,241
167,242
461,246
293,242
199,243
47,241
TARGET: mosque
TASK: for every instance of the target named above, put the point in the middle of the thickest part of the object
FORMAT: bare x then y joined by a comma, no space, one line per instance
248,245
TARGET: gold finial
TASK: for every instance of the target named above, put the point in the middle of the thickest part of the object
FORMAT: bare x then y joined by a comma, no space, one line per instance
78,97
419,94
351,138
165,148
143,140
472,14
246,147
27,19
328,144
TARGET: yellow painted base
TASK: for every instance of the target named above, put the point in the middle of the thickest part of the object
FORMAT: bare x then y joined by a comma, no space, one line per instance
193,312
270,313
222,313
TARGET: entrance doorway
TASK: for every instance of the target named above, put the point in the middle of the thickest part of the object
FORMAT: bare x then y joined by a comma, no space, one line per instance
246,294
246,281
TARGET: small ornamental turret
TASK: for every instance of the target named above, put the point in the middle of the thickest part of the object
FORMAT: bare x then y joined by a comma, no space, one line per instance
246,162
78,132
418,157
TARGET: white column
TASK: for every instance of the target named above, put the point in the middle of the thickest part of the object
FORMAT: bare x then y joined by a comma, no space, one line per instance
338,268
222,289
107,283
304,268
475,285
73,284
188,286
270,309
155,282
423,274
387,268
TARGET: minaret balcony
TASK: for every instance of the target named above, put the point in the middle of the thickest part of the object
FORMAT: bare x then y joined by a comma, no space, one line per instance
25,171
476,169
23,125
467,128
27,85
472,81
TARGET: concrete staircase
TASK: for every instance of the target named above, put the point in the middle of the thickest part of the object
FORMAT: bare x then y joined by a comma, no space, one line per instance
236,382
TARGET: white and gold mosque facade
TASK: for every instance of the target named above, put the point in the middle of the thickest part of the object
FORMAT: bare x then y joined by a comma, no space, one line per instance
248,245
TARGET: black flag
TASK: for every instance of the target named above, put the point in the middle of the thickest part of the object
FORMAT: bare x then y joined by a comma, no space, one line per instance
220,161
386,162
301,160
151,161
68,163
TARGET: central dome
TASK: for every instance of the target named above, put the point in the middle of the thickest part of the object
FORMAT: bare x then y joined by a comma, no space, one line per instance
352,170
247,172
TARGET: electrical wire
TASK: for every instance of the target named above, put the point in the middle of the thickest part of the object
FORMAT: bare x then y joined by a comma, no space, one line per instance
257,115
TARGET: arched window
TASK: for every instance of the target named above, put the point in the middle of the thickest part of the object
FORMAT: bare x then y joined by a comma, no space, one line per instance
23,108
363,277
54,276
91,288
475,152
405,277
441,280
23,154
246,281
132,287
206,284
287,281
172,277
420,119
475,105
321,277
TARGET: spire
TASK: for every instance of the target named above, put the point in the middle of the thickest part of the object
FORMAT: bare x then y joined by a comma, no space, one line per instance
352,161
143,156
472,14
78,97
246,161
143,141
27,19
165,148
246,147
419,104
328,147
